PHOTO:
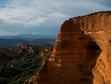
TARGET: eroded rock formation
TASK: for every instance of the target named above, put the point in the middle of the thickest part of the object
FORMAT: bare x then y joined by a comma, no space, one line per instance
82,53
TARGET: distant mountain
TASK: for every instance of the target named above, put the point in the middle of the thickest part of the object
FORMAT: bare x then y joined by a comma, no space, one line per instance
29,36
11,42
17,42
43,41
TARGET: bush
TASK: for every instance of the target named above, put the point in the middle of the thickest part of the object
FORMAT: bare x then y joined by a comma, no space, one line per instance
4,80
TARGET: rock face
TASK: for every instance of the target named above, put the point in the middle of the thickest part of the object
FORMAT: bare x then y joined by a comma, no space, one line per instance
82,52
26,46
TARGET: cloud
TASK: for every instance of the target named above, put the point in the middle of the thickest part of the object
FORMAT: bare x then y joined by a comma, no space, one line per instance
28,15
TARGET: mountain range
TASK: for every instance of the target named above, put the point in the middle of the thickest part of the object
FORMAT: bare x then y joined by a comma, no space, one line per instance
9,41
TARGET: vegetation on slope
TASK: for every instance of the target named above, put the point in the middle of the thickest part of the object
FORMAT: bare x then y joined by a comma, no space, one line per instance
17,69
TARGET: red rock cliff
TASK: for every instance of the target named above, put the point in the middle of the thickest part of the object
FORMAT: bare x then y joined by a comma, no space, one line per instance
82,53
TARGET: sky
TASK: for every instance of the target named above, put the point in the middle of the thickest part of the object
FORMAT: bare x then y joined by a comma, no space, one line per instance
43,16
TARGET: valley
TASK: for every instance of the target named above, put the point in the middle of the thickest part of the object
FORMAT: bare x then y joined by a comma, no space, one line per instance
17,64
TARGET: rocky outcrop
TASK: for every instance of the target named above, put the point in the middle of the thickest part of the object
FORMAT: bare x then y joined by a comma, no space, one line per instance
81,54
26,46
